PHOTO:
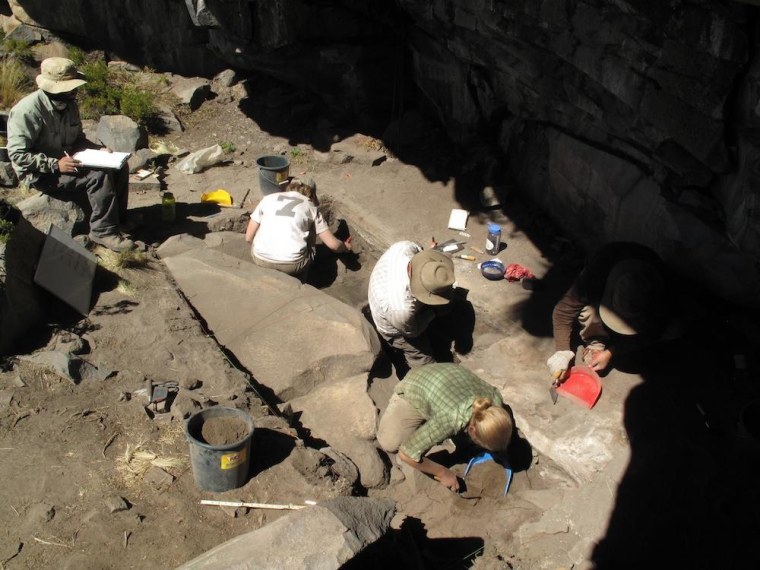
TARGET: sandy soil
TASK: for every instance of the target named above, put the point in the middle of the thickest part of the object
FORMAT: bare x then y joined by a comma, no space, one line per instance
80,488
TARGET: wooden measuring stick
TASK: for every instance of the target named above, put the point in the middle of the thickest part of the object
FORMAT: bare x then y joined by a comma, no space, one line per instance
252,505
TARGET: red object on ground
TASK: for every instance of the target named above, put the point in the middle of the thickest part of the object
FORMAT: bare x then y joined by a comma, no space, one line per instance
583,386
515,272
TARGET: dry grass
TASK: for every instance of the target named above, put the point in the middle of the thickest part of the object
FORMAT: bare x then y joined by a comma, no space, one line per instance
13,82
113,261
126,288
370,143
15,195
137,460
170,434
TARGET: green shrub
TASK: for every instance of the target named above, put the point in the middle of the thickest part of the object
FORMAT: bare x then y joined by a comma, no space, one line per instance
109,92
77,55
136,104
227,146
6,228
17,48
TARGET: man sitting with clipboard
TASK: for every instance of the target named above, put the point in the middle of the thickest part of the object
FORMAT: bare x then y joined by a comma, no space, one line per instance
44,130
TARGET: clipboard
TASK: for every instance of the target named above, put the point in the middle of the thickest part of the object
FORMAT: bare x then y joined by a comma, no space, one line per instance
93,158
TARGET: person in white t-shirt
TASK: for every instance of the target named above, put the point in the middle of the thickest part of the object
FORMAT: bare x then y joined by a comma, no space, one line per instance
408,288
283,227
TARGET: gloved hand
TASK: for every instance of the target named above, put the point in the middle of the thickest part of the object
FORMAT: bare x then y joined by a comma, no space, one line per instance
559,362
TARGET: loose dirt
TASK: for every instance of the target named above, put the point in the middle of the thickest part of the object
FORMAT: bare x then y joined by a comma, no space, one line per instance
223,431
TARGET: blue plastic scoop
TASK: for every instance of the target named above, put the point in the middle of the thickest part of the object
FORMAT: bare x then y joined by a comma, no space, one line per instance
486,456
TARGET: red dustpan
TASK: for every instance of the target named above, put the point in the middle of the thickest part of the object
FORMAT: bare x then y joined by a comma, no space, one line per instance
583,386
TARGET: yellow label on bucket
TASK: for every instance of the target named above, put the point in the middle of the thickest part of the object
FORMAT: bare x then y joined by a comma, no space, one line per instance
280,176
232,460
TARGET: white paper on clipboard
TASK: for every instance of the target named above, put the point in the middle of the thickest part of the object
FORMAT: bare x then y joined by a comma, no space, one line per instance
93,158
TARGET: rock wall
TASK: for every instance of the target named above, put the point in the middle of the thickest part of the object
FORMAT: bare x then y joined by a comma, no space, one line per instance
620,96
159,34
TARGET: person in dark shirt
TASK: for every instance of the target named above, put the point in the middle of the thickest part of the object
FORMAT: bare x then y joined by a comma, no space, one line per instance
620,300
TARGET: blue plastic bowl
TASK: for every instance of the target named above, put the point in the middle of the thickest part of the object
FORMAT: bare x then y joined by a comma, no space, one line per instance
492,269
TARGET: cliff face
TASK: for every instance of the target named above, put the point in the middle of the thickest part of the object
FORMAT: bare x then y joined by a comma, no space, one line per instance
625,120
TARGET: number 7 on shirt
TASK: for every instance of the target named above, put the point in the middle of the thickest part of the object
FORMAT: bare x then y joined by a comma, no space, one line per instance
289,208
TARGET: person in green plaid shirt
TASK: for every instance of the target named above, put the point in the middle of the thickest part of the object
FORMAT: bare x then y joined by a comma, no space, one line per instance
435,402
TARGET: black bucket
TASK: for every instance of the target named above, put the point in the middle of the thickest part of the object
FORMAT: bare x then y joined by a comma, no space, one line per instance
272,171
219,467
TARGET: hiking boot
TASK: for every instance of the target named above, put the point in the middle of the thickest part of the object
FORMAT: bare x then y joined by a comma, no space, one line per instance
130,223
114,242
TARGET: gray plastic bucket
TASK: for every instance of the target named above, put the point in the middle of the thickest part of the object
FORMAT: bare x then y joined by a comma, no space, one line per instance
219,467
272,170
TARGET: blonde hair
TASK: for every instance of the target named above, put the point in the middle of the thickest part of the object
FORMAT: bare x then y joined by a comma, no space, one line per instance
493,425
306,189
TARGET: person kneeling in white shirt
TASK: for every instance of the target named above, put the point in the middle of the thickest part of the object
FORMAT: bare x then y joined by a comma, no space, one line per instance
283,227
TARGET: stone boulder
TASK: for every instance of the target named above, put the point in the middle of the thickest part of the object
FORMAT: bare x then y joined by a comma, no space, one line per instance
8,176
165,121
292,337
342,414
42,210
327,535
122,134
226,78
25,34
192,91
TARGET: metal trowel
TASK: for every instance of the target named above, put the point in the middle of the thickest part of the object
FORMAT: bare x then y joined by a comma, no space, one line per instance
553,388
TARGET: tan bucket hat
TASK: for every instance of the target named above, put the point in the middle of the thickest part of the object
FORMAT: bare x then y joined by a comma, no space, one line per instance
432,277
633,298
59,75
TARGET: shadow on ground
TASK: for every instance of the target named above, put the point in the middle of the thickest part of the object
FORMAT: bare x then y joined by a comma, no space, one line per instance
689,497
410,547
689,492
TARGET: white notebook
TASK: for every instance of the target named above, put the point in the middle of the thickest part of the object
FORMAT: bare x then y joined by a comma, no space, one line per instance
101,158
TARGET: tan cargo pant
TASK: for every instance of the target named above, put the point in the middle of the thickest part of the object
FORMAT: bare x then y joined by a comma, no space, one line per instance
399,421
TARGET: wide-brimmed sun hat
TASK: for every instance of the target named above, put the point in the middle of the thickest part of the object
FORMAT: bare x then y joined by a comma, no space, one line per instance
633,298
59,75
432,277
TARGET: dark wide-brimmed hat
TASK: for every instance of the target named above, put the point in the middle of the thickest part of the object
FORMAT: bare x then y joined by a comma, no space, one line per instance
59,75
432,278
633,298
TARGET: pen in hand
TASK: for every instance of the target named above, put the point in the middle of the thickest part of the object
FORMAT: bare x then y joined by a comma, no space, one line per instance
67,154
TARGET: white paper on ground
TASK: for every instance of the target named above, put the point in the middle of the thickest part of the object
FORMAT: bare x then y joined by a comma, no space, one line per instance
458,219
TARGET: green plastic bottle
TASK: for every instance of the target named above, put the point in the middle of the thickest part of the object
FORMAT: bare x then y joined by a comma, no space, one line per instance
168,207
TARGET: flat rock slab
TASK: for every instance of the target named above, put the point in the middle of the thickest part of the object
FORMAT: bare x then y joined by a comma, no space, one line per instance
581,441
292,337
324,536
348,428
150,182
